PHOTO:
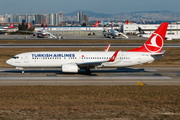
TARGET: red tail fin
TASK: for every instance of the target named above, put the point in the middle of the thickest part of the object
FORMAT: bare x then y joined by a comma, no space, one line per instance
44,24
11,26
97,24
127,22
29,25
111,25
155,42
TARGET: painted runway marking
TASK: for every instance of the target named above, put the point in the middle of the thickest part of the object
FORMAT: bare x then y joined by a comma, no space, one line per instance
55,82
67,78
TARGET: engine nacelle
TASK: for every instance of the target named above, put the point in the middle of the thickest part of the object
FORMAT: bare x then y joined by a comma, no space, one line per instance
71,68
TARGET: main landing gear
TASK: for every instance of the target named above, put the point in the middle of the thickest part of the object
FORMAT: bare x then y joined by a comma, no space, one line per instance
88,72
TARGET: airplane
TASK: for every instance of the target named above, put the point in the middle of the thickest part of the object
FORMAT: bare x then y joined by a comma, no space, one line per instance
73,61
12,26
167,37
112,33
8,29
104,24
43,33
97,24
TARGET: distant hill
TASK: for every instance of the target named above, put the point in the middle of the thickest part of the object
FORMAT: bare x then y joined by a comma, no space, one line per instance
90,14
163,15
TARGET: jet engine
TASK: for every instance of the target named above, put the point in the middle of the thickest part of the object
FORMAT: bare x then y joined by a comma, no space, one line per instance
70,68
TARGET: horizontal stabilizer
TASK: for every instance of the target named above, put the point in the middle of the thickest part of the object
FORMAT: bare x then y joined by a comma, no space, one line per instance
156,54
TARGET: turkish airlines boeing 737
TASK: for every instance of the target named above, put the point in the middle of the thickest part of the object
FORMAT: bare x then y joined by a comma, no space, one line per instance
72,61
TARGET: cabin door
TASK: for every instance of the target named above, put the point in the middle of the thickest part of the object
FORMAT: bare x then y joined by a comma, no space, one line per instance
139,59
26,58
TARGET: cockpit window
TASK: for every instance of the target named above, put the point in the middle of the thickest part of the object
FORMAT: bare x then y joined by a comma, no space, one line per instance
16,57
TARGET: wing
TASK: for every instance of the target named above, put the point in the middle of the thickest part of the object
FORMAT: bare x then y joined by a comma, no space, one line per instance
28,31
51,34
93,64
89,64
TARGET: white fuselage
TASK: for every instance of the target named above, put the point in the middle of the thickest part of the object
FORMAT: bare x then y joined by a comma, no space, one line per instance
57,59
168,37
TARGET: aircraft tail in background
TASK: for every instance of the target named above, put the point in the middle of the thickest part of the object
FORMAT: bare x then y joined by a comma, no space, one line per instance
12,26
141,31
29,25
127,22
97,24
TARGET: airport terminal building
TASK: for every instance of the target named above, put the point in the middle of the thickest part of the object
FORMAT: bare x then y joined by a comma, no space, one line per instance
149,28
77,31
124,28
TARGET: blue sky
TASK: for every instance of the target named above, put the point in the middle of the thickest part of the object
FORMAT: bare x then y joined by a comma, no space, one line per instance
99,6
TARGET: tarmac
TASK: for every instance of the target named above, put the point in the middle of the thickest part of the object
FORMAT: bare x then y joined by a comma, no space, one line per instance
67,37
54,76
78,45
121,76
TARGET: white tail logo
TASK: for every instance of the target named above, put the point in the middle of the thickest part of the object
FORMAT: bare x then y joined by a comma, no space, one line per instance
153,42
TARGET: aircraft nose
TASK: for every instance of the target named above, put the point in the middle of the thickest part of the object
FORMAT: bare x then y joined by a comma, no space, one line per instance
10,62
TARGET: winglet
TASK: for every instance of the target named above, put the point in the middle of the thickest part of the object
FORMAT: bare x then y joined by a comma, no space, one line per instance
114,56
107,48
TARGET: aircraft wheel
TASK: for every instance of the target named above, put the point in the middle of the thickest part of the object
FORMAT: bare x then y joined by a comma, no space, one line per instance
88,71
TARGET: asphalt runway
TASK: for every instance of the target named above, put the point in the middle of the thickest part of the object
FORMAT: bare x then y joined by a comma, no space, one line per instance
123,76
67,37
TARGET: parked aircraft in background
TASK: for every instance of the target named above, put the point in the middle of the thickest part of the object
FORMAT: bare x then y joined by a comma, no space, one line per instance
112,33
8,28
167,37
12,26
73,61
43,33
